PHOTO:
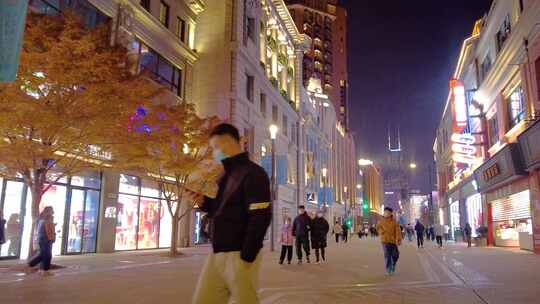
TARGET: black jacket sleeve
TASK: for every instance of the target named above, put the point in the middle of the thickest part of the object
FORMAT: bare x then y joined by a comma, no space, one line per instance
295,223
326,228
256,187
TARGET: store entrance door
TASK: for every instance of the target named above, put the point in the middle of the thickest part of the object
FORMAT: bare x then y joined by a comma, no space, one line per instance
11,205
82,221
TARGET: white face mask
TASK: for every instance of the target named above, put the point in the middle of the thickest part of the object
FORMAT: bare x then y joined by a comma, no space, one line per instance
218,155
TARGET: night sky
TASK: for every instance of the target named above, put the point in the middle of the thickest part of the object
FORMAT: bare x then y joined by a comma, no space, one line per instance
401,57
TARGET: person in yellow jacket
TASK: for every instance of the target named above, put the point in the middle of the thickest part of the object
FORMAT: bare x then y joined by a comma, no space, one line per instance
390,234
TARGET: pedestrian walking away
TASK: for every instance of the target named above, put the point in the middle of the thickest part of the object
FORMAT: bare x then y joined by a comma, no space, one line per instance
319,231
446,233
432,232
45,239
390,235
345,230
410,231
419,228
338,231
467,234
439,231
286,241
239,217
301,228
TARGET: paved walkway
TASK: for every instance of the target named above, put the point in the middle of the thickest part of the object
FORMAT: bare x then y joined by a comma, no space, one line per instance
354,273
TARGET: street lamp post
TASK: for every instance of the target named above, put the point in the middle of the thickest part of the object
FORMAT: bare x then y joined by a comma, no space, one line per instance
324,171
273,134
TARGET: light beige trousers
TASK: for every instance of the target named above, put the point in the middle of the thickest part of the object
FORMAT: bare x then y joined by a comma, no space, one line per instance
226,278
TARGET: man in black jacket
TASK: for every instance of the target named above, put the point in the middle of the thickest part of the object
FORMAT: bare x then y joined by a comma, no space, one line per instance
301,227
240,216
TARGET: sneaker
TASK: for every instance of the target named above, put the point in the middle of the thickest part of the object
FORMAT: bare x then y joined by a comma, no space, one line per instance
317,263
44,273
289,262
280,262
308,261
299,262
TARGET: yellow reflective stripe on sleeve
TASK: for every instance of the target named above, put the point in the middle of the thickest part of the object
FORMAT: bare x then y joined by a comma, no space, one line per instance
257,206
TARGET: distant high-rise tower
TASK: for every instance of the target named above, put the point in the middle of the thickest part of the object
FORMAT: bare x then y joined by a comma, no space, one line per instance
325,64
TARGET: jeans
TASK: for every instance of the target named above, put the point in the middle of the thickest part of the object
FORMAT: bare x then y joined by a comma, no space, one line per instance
302,242
439,240
420,239
286,250
44,256
323,255
391,255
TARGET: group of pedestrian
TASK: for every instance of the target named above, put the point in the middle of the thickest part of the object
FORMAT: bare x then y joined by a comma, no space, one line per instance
303,229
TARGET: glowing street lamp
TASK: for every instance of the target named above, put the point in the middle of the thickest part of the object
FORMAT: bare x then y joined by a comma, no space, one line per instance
324,172
412,166
273,134
364,162
273,131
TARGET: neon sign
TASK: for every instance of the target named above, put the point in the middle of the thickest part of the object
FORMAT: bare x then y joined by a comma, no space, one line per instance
459,105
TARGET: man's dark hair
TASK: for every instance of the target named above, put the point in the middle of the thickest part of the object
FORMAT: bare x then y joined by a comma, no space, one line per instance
226,129
301,207
388,209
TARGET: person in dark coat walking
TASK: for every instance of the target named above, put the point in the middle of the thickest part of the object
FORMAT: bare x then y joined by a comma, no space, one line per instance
319,231
239,216
467,234
420,229
301,228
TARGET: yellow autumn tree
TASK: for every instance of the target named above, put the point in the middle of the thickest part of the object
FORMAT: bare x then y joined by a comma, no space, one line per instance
167,142
72,89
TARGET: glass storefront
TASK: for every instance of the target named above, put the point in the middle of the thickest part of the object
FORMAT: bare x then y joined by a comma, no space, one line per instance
474,212
143,220
75,201
455,228
511,216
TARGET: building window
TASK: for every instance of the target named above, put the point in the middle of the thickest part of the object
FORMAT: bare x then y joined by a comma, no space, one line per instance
161,69
145,4
142,221
164,13
516,106
191,35
485,66
274,114
503,33
250,87
263,104
251,28
181,29
493,130
285,125
91,16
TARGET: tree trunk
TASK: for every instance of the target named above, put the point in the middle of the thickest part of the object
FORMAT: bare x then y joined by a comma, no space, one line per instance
185,235
174,237
36,200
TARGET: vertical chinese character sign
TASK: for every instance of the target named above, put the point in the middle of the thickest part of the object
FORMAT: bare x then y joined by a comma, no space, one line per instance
12,19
